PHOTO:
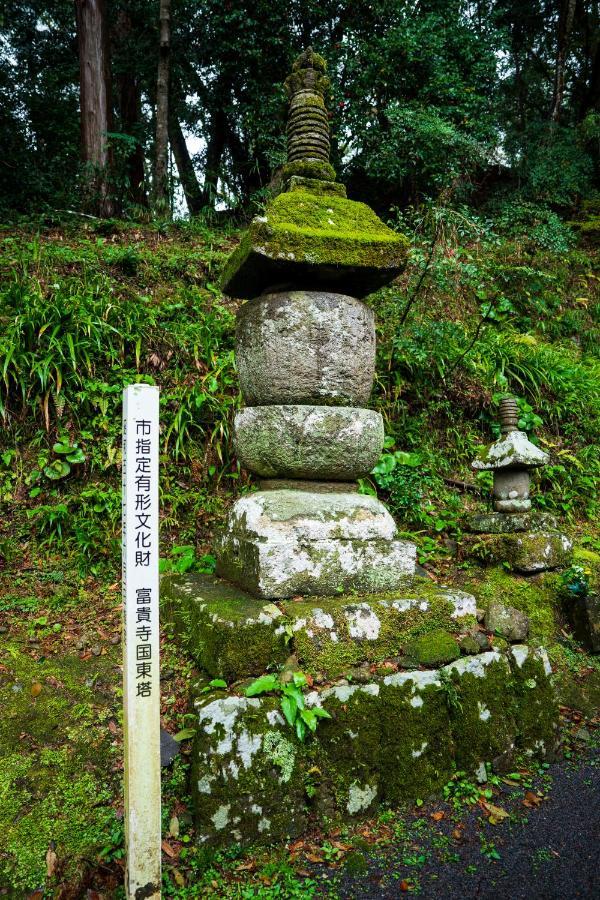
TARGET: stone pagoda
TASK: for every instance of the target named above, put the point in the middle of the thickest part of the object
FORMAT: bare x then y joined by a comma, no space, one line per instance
305,353
313,583
530,541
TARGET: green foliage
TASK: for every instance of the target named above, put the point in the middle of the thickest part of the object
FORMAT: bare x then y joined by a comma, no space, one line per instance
298,716
575,582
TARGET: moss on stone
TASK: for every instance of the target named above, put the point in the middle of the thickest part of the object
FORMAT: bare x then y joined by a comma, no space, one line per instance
535,703
229,633
391,739
479,702
536,596
53,766
309,168
331,635
433,649
527,552
315,240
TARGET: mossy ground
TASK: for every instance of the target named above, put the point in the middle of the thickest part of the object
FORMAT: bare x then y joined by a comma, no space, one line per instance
57,764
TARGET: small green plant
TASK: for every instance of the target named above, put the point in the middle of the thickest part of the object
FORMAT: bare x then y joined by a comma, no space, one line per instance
460,790
67,455
488,848
298,717
575,582
183,559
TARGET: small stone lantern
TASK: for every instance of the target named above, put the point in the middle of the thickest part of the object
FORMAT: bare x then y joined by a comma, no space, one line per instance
511,458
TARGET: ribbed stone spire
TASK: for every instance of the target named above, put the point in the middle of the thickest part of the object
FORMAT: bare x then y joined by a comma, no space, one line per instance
308,122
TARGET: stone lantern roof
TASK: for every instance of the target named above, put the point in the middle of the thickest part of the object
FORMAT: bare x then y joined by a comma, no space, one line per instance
513,449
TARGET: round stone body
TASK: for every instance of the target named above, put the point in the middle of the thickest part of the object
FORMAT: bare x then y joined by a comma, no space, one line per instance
305,347
321,443
511,484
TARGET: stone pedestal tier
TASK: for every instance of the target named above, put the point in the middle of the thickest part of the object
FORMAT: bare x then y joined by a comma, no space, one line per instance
321,443
305,347
284,543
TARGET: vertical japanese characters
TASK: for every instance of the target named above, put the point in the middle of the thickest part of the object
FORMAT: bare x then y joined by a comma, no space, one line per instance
141,668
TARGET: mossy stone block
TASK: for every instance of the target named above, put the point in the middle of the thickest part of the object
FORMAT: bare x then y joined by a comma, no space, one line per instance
309,241
331,635
506,621
508,523
324,443
392,739
478,690
535,701
248,773
229,633
526,552
433,649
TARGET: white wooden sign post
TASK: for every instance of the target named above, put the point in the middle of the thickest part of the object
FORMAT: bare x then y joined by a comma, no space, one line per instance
141,671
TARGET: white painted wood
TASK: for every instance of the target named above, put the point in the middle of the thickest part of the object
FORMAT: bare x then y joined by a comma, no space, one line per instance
141,667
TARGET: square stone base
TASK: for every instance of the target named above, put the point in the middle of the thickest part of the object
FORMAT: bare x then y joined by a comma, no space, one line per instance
286,543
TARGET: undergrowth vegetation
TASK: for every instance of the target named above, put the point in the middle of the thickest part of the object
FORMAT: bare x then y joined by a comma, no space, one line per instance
487,305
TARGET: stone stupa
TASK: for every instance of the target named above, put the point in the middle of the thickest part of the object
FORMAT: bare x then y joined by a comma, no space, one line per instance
305,354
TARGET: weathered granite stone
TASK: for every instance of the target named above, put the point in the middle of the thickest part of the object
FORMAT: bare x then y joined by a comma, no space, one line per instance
303,516
306,347
511,484
508,622
526,552
227,632
289,567
285,543
313,442
501,523
233,635
584,613
333,634
513,449
513,506
390,740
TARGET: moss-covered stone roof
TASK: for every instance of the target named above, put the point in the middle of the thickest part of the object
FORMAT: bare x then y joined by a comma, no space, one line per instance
309,240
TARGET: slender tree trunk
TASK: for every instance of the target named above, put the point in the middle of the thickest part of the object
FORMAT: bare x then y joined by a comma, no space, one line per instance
565,24
185,167
129,91
94,67
214,154
130,108
161,181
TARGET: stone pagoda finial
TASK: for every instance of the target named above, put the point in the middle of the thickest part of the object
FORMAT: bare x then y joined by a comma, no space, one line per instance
509,415
308,121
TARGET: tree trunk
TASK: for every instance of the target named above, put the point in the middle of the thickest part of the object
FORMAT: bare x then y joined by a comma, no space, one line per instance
161,182
214,154
130,108
185,167
94,68
565,24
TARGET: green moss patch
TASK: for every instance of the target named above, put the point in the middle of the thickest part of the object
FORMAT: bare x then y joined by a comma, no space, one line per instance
315,240
54,759
433,649
536,596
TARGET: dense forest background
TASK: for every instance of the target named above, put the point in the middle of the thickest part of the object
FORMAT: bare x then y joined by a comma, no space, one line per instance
484,101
